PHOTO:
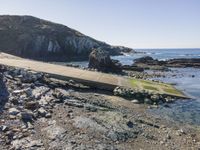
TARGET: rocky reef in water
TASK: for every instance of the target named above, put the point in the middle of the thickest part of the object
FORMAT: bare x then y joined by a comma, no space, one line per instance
176,62
31,37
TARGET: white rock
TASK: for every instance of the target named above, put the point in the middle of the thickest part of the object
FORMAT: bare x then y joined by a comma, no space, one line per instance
13,111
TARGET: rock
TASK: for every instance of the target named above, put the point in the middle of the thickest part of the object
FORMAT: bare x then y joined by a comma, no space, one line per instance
27,116
155,98
4,128
100,59
31,105
13,111
184,62
147,101
133,68
177,62
130,124
48,115
135,101
42,112
146,59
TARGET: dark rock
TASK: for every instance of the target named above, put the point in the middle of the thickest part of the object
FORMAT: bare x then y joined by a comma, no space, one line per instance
133,68
180,62
31,105
145,59
100,59
149,60
184,62
130,124
27,116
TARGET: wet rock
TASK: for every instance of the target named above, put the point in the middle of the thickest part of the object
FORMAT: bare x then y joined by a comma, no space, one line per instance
179,62
133,68
147,101
149,61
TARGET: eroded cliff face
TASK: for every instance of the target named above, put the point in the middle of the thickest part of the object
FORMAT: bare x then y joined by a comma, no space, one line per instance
31,37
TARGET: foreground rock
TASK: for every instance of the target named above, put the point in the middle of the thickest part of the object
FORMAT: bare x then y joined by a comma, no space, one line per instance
42,113
100,59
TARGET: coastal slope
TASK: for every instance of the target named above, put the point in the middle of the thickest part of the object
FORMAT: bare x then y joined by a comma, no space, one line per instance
31,37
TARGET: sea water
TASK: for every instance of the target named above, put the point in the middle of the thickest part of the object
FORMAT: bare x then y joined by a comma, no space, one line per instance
186,79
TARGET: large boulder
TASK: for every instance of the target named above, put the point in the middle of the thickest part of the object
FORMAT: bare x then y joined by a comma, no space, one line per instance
100,59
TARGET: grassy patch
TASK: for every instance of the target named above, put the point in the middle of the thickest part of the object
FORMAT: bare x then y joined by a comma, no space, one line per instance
155,86
134,83
147,87
172,91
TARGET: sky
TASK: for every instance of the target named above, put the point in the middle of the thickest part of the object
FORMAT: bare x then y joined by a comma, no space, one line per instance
131,23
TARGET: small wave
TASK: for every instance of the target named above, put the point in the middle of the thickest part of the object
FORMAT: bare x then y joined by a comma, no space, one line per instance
149,53
183,55
158,53
126,54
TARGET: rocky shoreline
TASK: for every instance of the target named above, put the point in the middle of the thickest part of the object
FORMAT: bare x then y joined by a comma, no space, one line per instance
38,112
150,63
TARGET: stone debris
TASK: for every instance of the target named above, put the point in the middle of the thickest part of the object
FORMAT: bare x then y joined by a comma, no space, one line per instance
39,113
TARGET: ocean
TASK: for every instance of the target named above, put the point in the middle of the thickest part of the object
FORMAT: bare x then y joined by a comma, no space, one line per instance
160,54
182,111
186,79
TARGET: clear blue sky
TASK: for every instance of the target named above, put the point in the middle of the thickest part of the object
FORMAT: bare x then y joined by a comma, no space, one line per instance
133,23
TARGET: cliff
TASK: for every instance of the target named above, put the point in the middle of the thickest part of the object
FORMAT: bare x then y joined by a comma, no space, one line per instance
31,37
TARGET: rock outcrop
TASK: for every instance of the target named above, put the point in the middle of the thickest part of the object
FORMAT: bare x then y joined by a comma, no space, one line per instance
100,59
184,62
177,62
31,37
149,60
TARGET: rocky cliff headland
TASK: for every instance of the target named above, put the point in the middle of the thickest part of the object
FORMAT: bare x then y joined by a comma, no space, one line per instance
31,37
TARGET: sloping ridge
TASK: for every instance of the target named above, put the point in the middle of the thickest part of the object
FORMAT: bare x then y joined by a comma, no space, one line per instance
31,37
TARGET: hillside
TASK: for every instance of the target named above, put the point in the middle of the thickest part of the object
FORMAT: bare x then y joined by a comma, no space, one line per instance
31,37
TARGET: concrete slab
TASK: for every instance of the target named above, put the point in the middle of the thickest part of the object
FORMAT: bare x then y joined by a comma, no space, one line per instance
95,79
